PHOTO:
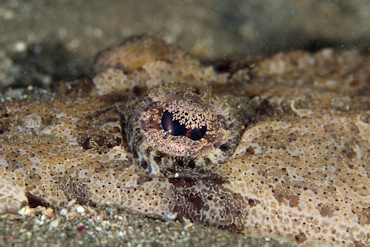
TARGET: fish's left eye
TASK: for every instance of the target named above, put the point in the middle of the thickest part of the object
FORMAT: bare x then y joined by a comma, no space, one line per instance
176,131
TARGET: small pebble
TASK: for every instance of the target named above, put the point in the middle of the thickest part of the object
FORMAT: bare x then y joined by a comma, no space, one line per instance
81,228
63,212
55,223
79,208
20,46
25,211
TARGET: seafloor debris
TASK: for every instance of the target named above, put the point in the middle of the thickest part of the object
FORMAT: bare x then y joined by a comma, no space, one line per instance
300,172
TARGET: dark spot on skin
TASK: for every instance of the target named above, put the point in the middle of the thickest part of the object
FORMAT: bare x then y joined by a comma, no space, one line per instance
196,201
191,164
300,238
326,211
182,182
86,144
251,202
179,163
249,151
207,161
135,154
144,164
350,166
100,169
158,159
119,140
142,180
284,196
137,90
35,201
224,147
349,153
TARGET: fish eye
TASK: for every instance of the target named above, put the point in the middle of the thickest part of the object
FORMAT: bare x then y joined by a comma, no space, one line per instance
178,131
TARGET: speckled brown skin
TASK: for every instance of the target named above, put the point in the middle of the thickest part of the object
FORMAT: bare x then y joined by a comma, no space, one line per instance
300,172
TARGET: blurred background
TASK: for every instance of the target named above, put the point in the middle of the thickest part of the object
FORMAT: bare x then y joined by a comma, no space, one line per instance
46,40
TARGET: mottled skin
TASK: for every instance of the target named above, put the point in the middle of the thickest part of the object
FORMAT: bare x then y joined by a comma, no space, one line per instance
300,171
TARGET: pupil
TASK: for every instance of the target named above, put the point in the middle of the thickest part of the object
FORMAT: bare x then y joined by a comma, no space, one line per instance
173,127
196,134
